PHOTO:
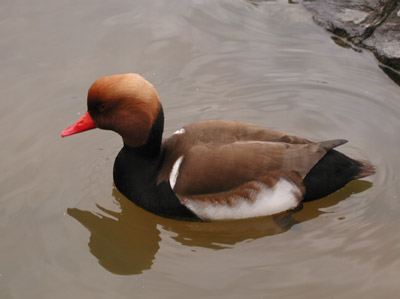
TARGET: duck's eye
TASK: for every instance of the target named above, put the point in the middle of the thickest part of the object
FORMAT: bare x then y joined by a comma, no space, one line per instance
101,107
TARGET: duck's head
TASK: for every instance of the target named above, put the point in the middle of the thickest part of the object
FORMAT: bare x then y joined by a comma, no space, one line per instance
127,104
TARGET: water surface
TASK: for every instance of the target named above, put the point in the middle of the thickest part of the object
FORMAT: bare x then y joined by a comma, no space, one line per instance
67,233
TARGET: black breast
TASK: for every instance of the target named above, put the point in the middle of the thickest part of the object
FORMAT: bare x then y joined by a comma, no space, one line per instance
135,176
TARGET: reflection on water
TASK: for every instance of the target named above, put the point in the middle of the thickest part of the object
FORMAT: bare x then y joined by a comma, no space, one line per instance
341,43
392,74
126,242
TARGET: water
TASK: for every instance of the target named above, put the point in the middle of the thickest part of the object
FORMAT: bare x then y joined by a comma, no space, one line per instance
67,233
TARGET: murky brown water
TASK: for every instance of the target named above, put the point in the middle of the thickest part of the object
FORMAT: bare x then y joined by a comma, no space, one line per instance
67,233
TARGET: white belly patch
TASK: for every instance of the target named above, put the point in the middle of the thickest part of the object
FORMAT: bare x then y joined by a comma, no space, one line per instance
265,201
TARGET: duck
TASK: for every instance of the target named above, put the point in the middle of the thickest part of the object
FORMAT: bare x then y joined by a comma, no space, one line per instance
209,170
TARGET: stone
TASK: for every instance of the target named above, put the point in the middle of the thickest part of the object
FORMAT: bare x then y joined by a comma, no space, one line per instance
370,24
385,40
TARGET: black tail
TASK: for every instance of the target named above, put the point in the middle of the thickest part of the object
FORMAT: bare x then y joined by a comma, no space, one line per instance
332,172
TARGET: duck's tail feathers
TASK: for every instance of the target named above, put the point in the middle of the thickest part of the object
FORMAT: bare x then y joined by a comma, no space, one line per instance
365,169
330,144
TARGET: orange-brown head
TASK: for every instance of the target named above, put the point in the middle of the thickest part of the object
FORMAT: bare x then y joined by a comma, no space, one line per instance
127,104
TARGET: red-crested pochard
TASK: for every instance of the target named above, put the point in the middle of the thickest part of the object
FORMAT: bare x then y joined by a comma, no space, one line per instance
209,170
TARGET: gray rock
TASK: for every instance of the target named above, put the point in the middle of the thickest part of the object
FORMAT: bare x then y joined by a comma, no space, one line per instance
371,24
385,40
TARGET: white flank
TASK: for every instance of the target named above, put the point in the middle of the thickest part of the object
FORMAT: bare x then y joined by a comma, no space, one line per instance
268,201
180,131
174,172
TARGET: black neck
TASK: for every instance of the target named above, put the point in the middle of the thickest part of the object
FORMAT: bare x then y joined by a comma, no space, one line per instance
152,148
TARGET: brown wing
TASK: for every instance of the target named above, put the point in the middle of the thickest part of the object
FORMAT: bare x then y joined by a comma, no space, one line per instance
212,168
224,131
217,132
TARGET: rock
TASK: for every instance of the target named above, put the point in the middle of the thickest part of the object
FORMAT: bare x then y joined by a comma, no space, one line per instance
385,40
371,24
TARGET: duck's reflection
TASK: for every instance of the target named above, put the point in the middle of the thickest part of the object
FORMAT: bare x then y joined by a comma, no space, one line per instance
126,242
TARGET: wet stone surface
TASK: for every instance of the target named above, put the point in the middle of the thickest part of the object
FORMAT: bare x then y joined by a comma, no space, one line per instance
371,24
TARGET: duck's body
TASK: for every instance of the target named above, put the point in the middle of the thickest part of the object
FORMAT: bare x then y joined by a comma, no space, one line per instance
210,170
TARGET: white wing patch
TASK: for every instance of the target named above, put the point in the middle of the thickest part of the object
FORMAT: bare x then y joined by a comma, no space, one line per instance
180,131
266,201
175,172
